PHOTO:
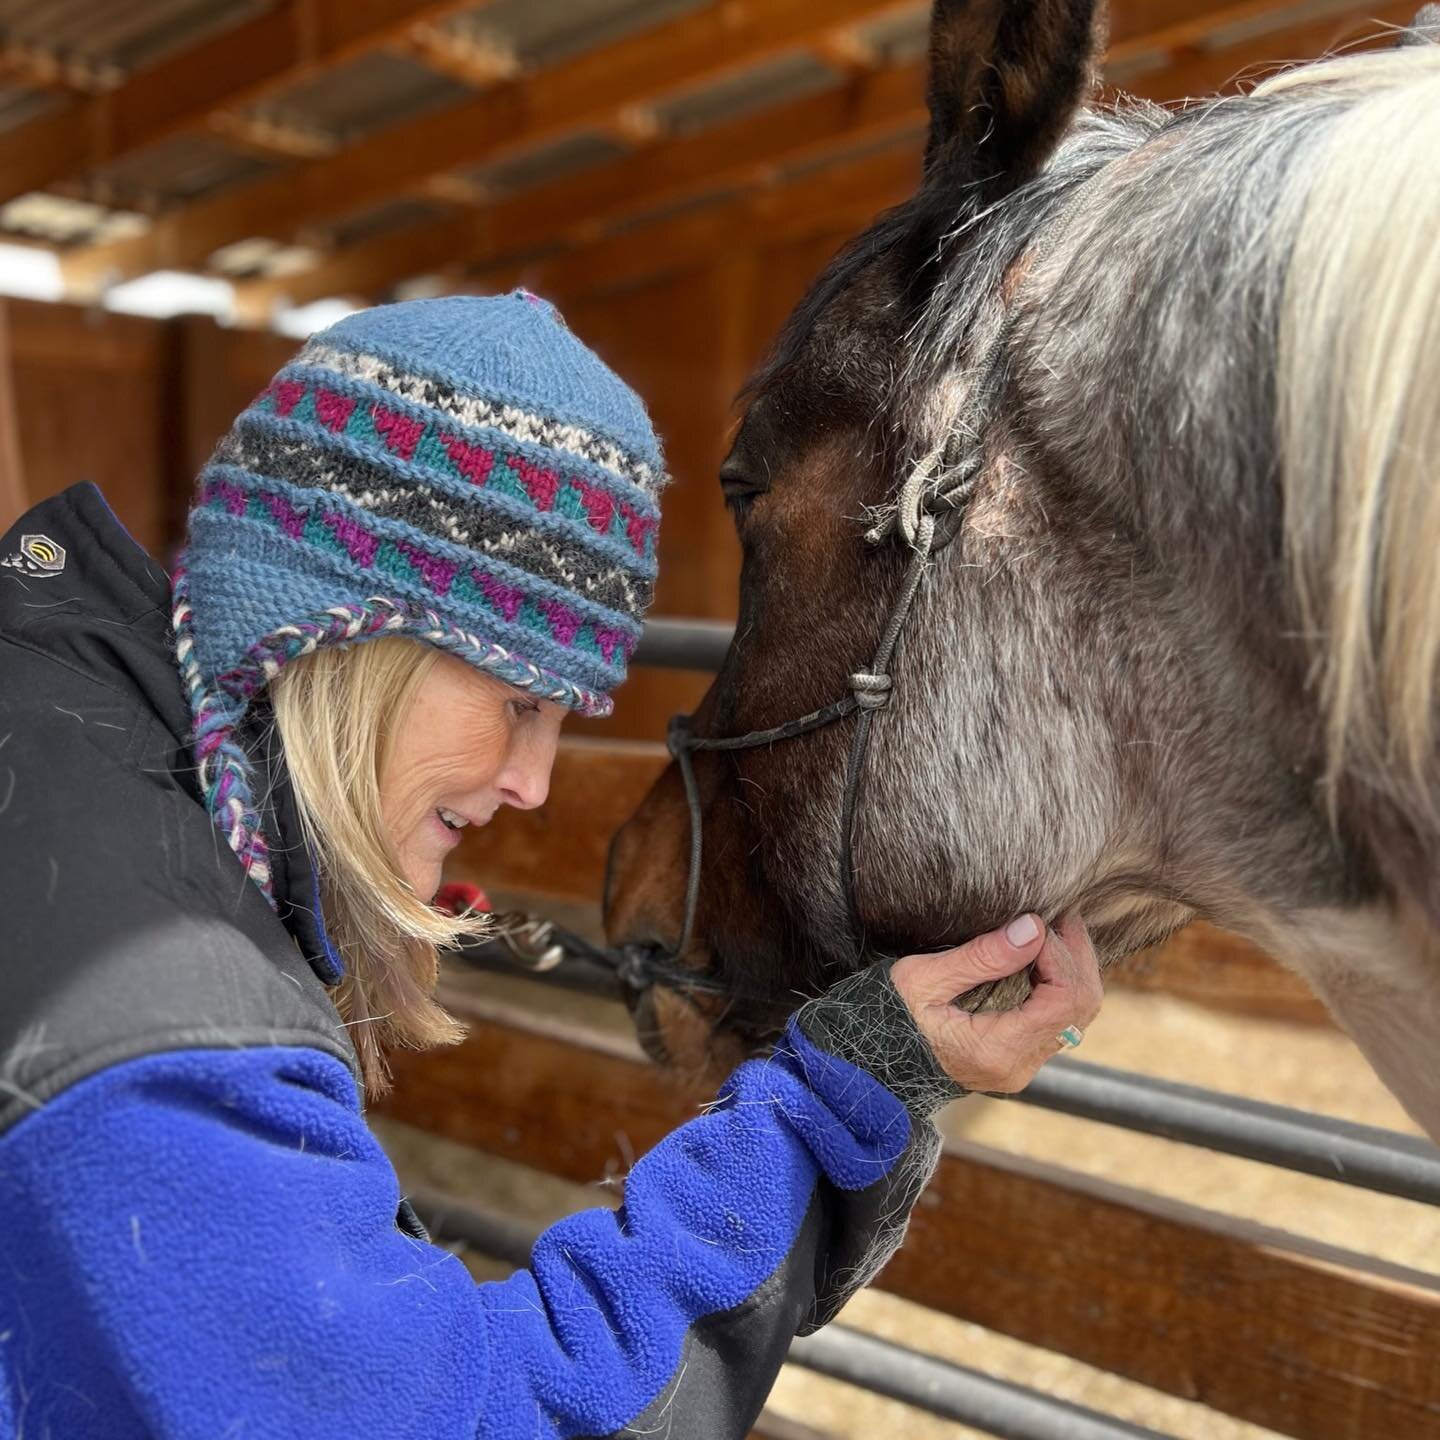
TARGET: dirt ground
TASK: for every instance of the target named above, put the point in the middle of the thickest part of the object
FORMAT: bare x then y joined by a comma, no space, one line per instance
1312,1067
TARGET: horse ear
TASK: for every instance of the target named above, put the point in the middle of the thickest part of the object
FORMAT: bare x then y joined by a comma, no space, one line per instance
1424,29
1006,77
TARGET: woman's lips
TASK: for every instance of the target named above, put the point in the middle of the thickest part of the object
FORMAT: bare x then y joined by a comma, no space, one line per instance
452,834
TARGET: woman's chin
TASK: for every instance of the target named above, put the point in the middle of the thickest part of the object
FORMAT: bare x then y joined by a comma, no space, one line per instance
423,867
423,876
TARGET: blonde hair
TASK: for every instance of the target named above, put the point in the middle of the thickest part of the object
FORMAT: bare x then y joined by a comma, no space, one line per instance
1359,373
338,711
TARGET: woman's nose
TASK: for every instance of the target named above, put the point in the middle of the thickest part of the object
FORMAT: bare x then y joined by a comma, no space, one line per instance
525,781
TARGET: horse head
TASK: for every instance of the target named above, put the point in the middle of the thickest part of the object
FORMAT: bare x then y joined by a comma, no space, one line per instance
1057,368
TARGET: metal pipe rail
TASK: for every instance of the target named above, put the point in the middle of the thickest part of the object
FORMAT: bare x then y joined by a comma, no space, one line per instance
1364,1156
953,1392
683,644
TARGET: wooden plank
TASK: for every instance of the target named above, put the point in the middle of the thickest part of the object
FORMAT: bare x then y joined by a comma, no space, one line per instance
1211,967
771,1426
735,154
234,67
1306,1339
594,787
581,93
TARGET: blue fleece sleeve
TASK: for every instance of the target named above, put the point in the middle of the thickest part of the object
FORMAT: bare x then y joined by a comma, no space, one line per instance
203,1243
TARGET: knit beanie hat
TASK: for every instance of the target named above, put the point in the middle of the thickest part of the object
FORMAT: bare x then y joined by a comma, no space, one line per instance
463,471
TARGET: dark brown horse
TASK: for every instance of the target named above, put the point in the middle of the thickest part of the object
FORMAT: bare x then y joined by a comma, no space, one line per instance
1158,391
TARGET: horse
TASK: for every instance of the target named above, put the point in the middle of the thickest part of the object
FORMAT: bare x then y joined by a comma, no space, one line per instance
1122,432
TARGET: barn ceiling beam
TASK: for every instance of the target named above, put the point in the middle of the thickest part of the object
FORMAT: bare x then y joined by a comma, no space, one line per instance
577,209
44,69
846,194
774,214
271,138
735,155
586,92
472,59
1200,71
848,52
234,67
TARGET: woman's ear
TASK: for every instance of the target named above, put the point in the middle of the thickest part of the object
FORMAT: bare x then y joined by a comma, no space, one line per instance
1006,78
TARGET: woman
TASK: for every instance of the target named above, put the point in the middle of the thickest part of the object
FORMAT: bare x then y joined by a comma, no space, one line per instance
428,540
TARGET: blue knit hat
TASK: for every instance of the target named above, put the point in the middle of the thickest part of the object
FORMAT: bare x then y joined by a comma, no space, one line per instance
463,471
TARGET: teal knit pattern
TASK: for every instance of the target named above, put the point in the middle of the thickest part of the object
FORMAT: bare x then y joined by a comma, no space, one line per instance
462,471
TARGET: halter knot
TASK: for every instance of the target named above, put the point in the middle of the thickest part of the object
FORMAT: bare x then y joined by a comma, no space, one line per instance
871,692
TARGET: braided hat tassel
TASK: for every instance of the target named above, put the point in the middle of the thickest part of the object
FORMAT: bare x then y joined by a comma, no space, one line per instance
222,766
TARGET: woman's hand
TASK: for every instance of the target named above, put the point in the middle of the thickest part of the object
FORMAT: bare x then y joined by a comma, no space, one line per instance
1002,1051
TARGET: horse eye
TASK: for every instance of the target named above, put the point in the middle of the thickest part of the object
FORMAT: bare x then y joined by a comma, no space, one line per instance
738,487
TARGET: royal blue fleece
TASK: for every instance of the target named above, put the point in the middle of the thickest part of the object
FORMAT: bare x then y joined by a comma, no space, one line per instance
202,1244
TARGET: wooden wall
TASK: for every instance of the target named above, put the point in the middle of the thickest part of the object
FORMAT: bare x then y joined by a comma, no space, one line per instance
133,405
687,343
91,399
136,405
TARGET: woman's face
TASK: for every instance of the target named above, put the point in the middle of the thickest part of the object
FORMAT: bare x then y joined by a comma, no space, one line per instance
469,745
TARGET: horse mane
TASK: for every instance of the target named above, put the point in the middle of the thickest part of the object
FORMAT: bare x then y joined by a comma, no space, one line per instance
1281,324
1358,377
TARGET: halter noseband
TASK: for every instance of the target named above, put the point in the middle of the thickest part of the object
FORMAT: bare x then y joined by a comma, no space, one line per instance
541,945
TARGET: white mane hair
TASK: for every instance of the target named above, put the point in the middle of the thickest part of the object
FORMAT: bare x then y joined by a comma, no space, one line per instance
1358,408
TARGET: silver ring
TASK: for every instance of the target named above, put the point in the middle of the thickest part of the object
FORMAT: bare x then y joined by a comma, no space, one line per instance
1070,1037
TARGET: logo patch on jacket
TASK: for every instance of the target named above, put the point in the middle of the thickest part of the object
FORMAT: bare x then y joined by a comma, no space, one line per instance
38,557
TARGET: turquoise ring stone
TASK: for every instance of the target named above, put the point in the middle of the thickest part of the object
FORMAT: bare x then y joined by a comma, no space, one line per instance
1070,1037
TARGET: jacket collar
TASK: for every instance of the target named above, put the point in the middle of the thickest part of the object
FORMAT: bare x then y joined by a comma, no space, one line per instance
92,596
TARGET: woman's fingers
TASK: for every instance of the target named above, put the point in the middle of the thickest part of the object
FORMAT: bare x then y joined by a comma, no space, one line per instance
1002,1052
927,980
1067,986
